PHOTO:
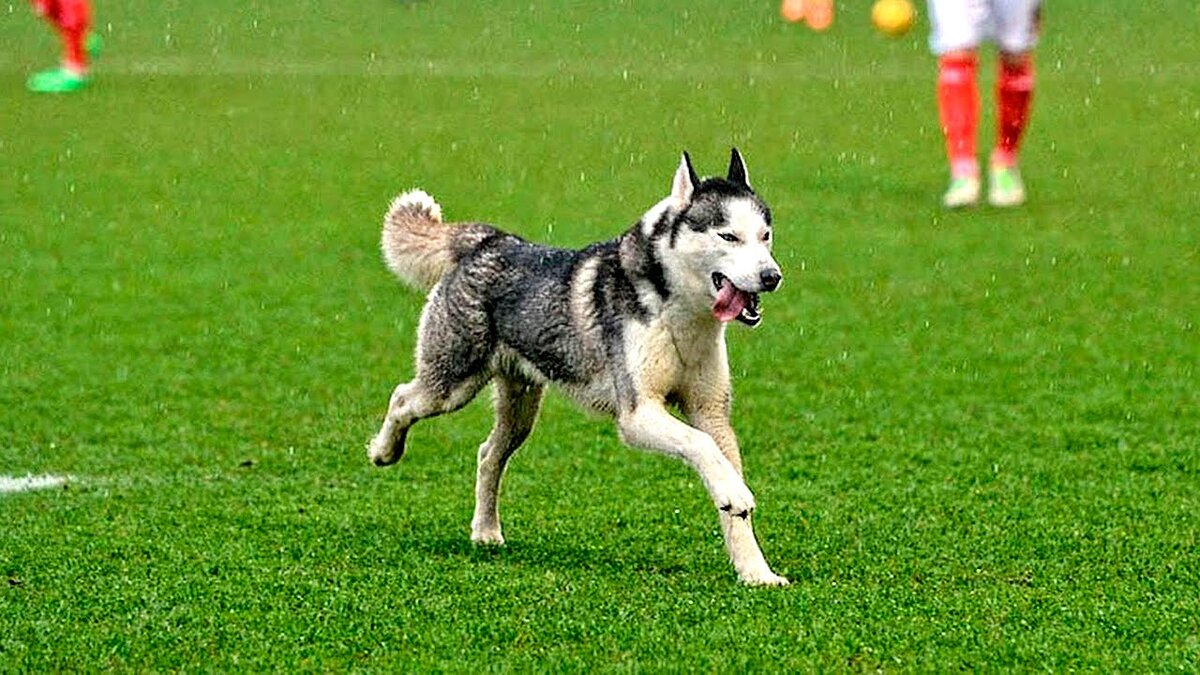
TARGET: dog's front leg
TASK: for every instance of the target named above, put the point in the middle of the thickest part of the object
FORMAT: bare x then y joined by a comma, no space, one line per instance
740,542
747,557
651,427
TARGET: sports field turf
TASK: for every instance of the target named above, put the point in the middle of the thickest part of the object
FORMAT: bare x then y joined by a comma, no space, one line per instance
974,437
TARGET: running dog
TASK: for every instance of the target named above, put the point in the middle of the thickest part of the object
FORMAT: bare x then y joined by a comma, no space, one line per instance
625,327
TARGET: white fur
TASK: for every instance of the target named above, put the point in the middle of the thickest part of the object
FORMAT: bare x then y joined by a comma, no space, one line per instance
418,198
682,186
683,355
744,261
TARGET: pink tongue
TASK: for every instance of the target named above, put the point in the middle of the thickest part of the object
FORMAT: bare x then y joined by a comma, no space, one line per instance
729,303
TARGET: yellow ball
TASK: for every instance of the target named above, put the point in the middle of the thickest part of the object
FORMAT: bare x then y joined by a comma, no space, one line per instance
893,17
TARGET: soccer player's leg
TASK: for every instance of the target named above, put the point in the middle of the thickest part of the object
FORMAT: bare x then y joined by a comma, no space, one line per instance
72,20
1014,94
1018,22
956,29
958,111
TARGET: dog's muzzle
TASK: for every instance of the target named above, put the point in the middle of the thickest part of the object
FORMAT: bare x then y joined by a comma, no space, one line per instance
734,303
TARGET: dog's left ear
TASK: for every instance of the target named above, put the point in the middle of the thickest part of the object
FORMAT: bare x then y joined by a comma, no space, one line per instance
737,170
685,182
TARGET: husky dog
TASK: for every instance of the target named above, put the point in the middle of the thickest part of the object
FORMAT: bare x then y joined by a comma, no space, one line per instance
625,327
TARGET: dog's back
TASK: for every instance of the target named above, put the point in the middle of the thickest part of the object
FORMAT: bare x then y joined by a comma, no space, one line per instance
523,307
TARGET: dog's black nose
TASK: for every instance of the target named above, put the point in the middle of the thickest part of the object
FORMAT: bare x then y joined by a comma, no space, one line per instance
770,279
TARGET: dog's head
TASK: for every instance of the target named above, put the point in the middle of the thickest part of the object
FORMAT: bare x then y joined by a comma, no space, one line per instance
720,241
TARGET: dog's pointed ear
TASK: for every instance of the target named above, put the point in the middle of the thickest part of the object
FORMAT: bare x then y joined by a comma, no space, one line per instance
685,181
737,170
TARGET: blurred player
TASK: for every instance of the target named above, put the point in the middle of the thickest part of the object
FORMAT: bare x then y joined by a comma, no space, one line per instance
72,19
957,29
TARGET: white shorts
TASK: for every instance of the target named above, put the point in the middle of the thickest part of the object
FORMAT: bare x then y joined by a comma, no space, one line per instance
963,24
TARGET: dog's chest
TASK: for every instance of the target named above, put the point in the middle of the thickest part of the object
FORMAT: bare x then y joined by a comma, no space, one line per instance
665,358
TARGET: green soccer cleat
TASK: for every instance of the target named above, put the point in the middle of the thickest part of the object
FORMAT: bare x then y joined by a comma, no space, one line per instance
963,191
56,81
1005,188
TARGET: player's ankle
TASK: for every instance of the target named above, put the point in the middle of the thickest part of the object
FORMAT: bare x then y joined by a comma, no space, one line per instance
1003,158
76,69
964,167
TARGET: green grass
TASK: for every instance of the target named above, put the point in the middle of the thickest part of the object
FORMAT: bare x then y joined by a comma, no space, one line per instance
974,437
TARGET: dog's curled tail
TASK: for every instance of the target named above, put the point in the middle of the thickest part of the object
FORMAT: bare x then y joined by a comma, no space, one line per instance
417,245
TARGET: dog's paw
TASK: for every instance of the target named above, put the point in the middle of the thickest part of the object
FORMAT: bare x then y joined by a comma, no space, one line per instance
485,530
487,537
763,577
385,449
733,497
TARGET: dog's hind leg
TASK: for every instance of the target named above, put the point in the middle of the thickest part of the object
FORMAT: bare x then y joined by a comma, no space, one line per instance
454,346
413,401
516,404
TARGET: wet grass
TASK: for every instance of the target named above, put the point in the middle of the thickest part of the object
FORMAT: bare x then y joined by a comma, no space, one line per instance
973,436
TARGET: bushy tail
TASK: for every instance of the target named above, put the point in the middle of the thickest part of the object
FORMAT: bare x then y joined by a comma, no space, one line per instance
416,243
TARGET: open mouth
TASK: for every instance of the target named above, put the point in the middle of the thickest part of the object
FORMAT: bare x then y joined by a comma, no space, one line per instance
734,303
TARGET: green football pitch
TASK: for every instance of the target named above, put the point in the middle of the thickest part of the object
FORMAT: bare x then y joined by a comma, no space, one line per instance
974,436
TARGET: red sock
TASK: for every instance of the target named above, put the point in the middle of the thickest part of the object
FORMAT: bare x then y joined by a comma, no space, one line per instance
73,18
958,108
1014,93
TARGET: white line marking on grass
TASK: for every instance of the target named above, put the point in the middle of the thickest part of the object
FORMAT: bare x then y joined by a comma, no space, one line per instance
31,482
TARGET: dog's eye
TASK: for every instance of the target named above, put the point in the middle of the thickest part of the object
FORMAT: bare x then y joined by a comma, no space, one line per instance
728,236
767,235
